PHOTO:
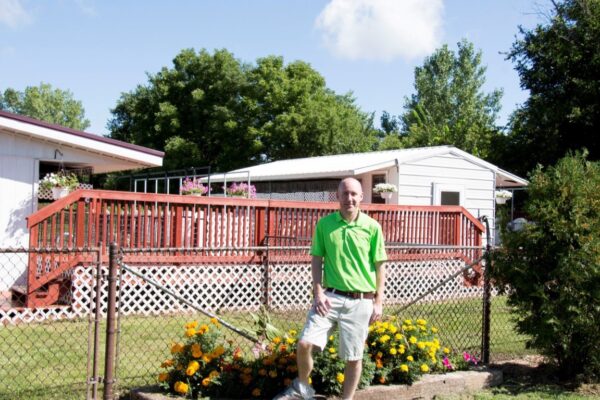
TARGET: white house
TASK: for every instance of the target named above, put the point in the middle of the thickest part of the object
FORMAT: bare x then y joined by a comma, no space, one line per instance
28,147
441,175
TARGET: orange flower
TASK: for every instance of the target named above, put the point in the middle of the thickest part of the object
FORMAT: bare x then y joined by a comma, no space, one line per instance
191,325
262,372
163,377
167,364
256,392
238,354
192,368
214,321
196,350
176,348
205,382
378,363
190,332
382,379
181,387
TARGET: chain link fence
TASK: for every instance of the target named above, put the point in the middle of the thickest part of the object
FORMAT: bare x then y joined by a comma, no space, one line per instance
48,351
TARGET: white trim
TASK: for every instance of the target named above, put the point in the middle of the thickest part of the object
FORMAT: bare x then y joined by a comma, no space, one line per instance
63,138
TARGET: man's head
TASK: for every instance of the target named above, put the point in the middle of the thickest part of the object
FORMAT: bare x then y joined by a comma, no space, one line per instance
349,195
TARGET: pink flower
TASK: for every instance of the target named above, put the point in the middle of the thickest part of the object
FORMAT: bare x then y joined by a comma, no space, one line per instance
446,363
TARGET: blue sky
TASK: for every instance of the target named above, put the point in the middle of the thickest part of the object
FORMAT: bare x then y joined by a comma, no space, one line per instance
100,49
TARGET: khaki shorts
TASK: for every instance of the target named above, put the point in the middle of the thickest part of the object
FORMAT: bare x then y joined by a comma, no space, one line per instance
351,315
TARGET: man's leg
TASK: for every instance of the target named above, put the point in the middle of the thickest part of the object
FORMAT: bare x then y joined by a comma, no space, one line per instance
304,360
351,378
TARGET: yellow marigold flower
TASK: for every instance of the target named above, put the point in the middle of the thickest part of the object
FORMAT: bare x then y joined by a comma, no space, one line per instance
404,368
424,368
181,387
276,340
385,324
410,358
256,392
446,350
380,330
421,322
401,349
408,321
206,358
393,351
392,329
331,350
331,337
340,377
379,354
436,341
205,382
214,321
398,336
163,377
203,329
434,329
191,325
384,338
292,332
422,328
190,332
290,340
192,367
219,351
213,374
412,340
167,364
420,345
373,344
371,328
176,348
309,380
273,373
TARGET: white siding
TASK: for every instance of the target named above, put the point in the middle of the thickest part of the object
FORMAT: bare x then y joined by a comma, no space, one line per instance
416,182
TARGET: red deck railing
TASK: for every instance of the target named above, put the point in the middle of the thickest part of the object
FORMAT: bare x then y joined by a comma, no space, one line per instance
215,229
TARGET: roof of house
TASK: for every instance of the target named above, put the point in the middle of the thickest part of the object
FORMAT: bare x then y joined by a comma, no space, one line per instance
341,165
135,156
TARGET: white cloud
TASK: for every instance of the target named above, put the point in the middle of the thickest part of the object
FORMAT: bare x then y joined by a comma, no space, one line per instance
381,29
13,14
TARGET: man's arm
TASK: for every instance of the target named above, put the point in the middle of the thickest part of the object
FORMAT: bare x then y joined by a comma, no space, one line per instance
380,284
321,302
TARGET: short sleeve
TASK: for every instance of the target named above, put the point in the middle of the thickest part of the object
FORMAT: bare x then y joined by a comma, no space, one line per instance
318,246
378,253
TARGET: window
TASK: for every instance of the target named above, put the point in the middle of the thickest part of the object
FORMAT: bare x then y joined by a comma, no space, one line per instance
450,198
448,194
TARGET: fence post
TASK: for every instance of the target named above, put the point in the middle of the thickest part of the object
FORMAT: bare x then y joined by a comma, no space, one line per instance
109,363
485,340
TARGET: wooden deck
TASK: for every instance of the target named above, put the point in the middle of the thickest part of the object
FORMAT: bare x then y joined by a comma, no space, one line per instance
194,230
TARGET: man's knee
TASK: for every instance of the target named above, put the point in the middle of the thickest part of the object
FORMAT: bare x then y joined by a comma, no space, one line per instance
305,346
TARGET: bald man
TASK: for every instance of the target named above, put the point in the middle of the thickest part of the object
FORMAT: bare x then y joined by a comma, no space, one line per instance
348,276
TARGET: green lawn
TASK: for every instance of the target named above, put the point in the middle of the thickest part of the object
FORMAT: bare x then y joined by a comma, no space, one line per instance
49,360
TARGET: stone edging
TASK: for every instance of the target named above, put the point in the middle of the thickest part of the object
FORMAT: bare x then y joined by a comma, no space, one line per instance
426,388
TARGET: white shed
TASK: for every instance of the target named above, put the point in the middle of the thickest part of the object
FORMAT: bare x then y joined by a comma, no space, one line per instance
440,175
28,146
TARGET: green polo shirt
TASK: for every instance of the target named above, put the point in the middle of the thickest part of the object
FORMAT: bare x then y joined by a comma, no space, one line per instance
350,251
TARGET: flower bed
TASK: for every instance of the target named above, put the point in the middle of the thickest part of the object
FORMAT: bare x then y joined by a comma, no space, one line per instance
397,352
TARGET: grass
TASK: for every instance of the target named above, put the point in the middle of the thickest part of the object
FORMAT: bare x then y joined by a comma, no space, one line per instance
49,360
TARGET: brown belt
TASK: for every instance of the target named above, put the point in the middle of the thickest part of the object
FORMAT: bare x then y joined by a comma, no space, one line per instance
352,295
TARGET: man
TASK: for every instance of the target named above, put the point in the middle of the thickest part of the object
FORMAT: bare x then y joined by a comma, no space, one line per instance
348,275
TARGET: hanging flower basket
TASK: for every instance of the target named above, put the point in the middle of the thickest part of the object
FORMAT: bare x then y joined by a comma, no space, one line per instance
385,190
192,187
59,192
502,196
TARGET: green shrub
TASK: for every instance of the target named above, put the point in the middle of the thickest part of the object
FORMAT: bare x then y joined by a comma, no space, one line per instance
551,268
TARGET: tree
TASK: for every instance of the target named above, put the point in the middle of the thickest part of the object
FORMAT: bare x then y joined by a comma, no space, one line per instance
44,103
552,267
214,110
449,106
559,64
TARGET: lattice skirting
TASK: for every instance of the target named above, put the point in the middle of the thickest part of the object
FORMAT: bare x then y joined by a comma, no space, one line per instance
237,287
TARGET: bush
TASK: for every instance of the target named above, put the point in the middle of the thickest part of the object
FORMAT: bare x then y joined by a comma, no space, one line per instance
551,269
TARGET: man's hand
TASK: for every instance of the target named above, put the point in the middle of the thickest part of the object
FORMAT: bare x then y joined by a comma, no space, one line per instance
321,303
377,312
